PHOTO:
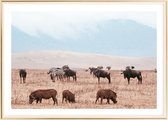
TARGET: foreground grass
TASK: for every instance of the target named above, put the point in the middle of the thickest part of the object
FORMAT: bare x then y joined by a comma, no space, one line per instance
131,96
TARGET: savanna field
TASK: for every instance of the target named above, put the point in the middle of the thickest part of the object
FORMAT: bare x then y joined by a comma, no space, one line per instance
133,96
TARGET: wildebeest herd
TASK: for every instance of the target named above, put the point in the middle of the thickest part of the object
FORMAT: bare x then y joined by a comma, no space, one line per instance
65,73
61,73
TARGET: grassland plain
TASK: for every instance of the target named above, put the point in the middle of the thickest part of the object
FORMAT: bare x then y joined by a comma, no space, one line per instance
133,96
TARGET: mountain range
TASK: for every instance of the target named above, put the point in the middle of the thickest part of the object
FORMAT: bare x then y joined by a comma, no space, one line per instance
111,37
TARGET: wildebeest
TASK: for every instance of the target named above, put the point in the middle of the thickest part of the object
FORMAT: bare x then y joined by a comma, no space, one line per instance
108,67
101,73
40,94
129,73
52,70
155,70
70,73
65,67
92,69
68,96
22,74
129,67
56,72
106,94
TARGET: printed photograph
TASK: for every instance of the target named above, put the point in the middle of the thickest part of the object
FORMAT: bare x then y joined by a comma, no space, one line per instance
83,57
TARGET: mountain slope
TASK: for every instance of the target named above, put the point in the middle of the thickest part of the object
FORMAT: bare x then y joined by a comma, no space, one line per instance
47,59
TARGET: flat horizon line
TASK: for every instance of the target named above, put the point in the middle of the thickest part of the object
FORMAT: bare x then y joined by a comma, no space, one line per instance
84,53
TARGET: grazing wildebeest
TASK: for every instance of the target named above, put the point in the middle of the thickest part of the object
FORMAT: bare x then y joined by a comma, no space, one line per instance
68,96
60,74
129,73
51,70
22,74
40,94
56,72
53,74
101,73
92,69
70,73
106,94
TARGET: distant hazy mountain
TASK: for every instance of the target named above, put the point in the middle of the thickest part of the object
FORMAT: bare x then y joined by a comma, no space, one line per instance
113,37
47,59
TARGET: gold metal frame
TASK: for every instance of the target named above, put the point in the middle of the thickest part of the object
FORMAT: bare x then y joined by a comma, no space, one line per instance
165,36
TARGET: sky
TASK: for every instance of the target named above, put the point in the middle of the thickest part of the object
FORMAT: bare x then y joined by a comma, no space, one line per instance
102,29
71,24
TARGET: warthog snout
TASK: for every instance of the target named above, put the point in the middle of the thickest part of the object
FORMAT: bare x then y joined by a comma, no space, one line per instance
31,99
114,101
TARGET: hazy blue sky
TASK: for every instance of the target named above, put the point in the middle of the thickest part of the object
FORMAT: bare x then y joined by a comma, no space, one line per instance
112,33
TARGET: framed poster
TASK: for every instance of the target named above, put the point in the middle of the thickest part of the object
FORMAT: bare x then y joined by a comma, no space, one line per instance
84,60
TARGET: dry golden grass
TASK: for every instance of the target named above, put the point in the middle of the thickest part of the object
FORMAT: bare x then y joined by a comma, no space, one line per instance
128,96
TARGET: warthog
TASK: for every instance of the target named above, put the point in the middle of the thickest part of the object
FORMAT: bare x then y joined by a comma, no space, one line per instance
68,96
40,94
22,74
106,94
